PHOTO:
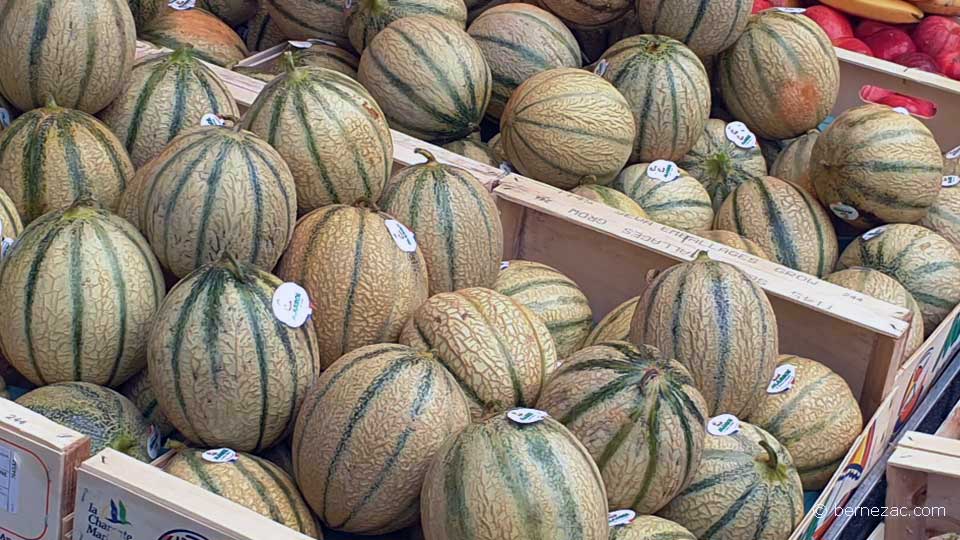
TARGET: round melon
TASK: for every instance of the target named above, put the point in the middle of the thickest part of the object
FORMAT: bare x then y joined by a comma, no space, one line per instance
816,418
717,322
329,130
364,285
51,156
215,190
707,27
226,371
587,14
614,326
306,19
76,52
719,164
251,482
10,224
497,349
318,55
612,198
650,528
668,90
455,221
781,77
734,240
746,487
680,202
553,297
262,32
145,11
793,162
367,18
429,76
567,127
874,166
473,148
639,416
500,479
518,41
139,391
108,418
80,287
943,217
883,287
212,40
786,220
232,12
166,94
368,432
925,263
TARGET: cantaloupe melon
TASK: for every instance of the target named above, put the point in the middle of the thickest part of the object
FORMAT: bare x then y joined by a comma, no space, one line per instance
213,41
668,90
317,55
717,322
262,31
650,528
612,198
816,417
584,13
638,414
500,479
673,198
76,52
943,217
139,391
224,368
720,164
145,11
429,76
232,12
367,18
706,26
874,166
107,286
566,127
330,131
364,284
473,148
615,325
734,240
793,162
320,19
368,432
10,223
497,349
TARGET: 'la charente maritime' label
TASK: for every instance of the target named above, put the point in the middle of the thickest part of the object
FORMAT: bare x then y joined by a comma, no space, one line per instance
723,425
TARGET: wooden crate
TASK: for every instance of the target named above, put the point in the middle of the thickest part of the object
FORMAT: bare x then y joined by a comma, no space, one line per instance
923,477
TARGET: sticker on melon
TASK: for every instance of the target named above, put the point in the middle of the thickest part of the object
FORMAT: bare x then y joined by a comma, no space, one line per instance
740,135
301,44
873,233
526,416
291,305
401,235
220,455
619,518
5,246
4,118
954,154
662,170
844,211
792,10
723,425
211,119
153,442
950,180
504,265
602,66
783,378
182,5
902,110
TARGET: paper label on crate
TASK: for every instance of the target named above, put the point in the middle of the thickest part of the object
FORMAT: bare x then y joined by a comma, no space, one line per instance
901,110
844,211
4,118
954,154
792,10
402,236
873,233
153,442
220,455
291,305
723,425
211,119
301,44
504,265
619,518
182,5
783,378
739,134
950,180
526,416
662,170
9,479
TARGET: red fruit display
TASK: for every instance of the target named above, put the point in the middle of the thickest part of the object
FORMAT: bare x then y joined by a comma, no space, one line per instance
890,43
853,44
950,64
868,28
760,5
918,60
834,23
937,35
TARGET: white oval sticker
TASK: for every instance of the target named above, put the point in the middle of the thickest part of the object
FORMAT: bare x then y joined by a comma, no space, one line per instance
739,134
526,416
504,265
506,168
402,236
153,442
873,233
182,5
954,154
793,10
211,119
602,66
291,305
950,180
723,425
220,455
618,518
844,211
662,170
301,44
5,246
4,118
901,110
783,378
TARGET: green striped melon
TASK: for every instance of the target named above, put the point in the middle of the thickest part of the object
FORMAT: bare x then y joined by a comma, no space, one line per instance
786,220
367,18
650,528
76,52
363,285
224,368
781,77
214,190
251,482
518,41
874,166
746,487
454,219
736,241
474,149
553,297
586,13
668,90
212,40
232,12
717,322
793,162
615,325
883,287
817,419
167,94
412,51
682,203
705,26
318,55
145,11
108,418
262,31
943,217
925,263
320,19
612,198
719,164
10,224
638,414
329,130
497,349
140,392
499,479
280,455
51,156
368,432
567,127
80,288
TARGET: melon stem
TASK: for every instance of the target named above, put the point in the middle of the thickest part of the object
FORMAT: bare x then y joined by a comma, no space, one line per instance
702,256
288,62
376,7
229,262
431,159
719,165
363,202
125,444
182,54
51,103
772,460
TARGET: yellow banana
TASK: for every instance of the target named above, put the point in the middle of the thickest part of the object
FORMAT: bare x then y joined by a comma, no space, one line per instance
888,11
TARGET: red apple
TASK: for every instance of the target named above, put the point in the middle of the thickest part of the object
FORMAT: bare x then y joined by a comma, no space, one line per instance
760,5
868,28
833,22
853,44
950,64
936,35
890,43
918,60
